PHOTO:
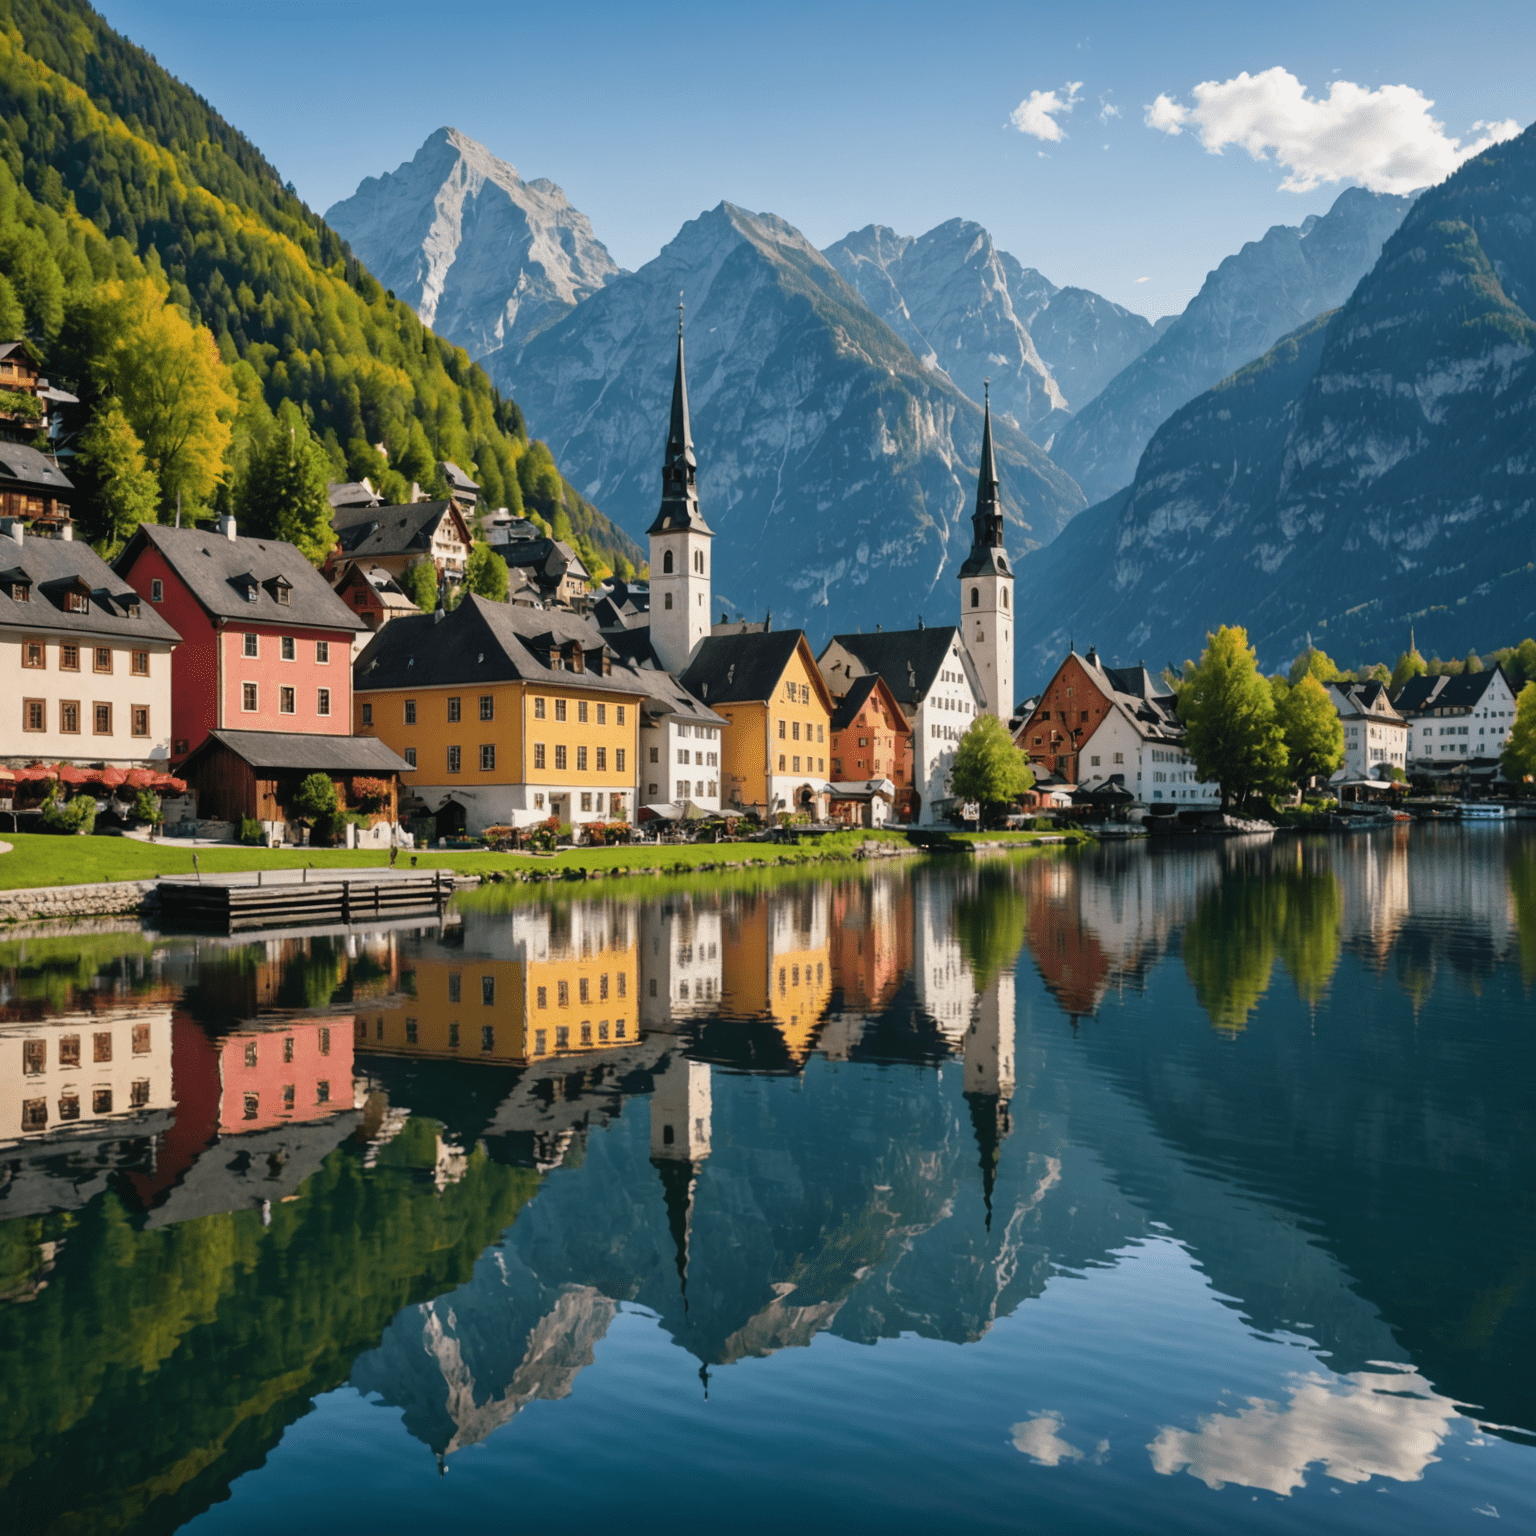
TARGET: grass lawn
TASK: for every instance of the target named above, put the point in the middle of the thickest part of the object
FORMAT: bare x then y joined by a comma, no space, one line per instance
38,859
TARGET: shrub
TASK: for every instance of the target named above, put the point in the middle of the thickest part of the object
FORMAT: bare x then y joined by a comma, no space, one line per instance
315,798
146,806
250,831
77,815
370,794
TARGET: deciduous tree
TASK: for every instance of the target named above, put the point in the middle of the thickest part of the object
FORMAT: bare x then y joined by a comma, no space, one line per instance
485,573
123,493
1519,757
988,767
1229,710
1409,664
420,585
1311,728
282,494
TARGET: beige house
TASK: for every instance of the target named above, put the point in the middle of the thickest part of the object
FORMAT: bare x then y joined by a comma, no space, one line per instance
87,665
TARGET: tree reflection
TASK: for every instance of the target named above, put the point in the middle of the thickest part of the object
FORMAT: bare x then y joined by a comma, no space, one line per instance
991,921
1522,896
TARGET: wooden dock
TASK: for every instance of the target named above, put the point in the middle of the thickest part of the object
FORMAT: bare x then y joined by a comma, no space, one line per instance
292,898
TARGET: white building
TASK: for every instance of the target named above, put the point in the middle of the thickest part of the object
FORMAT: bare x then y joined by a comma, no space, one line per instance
681,972
1375,734
934,678
89,664
1455,718
679,744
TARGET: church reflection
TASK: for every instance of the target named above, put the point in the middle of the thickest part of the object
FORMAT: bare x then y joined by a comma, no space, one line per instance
892,1103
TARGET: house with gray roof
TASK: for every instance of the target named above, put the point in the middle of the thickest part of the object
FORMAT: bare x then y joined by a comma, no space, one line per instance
1456,721
397,538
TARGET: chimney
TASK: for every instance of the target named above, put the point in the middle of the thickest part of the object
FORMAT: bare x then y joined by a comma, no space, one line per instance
227,527
12,528
67,532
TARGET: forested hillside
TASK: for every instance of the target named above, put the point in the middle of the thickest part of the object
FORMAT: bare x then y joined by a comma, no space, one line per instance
121,189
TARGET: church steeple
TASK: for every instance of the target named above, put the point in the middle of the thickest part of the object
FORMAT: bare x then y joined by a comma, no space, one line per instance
987,554
679,472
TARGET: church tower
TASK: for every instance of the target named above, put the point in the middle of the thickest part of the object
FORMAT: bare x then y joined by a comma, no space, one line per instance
680,540
682,1111
986,588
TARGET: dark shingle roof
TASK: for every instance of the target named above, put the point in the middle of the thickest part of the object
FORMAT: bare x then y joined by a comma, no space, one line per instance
483,642
854,700
298,751
26,466
891,653
1421,693
54,564
211,564
404,530
736,669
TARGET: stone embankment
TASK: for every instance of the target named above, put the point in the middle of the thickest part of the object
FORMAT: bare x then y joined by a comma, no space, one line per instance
112,898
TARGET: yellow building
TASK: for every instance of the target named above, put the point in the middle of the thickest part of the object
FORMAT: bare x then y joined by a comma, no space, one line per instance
508,715
567,984
778,964
778,712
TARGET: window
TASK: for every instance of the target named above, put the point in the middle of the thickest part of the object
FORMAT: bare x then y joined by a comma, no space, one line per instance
248,698
538,709
487,1037
101,719
655,755
583,991
783,730
781,762
698,561
284,593
602,759
538,754
667,600
69,658
619,713
540,1040
666,563
410,711
33,715
289,648
410,1032
602,714
288,1096
542,997
157,591
34,1114
138,663
322,701
488,990
796,762
455,710
1005,597
322,1088
560,757
455,758
367,714
618,759
487,759
975,597
581,759
78,602
559,709
562,1036
581,711
586,1032
101,661
251,646
563,994
681,789
140,719
34,1057
410,756
69,1106
487,707
586,802
69,1051
285,701
32,654
453,1036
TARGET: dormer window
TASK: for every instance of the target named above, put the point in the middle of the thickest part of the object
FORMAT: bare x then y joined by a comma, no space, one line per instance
284,591
77,602
21,592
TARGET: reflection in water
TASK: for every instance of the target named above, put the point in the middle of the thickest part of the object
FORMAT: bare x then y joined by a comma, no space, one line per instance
236,1175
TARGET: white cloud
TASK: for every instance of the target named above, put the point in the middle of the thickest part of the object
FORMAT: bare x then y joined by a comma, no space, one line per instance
1384,139
1143,279
1368,1424
1107,110
1040,1439
1037,114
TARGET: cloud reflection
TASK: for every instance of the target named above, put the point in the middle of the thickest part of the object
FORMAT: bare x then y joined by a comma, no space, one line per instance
1384,1423
1040,1439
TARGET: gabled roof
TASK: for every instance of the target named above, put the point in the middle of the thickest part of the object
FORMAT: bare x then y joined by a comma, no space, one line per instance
457,478
910,660
303,752
353,493
485,642
55,565
26,466
369,532
1463,692
740,669
210,565
1368,698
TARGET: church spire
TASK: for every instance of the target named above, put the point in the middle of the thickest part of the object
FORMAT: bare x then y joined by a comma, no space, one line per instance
987,553
679,492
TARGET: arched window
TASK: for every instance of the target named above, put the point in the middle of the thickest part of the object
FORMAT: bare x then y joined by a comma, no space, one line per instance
698,561
975,597
1005,597
666,563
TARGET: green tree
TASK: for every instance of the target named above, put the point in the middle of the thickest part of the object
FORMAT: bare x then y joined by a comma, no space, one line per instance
1229,710
1409,664
992,922
282,494
1315,663
1473,663
485,573
315,797
1311,729
1519,758
989,768
420,585
13,320
122,491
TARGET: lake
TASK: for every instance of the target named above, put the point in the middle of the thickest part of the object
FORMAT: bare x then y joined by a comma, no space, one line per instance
1144,1188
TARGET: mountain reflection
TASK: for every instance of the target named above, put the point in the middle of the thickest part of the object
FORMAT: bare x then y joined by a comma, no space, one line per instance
235,1175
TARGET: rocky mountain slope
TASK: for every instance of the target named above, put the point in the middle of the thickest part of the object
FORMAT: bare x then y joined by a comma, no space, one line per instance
1268,289
1375,469
975,311
834,467
481,255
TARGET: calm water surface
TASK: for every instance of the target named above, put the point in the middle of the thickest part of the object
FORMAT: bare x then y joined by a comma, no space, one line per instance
1147,1189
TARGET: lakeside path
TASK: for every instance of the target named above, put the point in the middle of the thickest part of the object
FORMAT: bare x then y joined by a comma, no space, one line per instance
39,864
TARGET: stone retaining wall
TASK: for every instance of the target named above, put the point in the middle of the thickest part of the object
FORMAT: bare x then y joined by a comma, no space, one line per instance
115,896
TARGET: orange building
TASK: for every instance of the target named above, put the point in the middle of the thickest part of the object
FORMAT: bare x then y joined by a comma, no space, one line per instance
872,739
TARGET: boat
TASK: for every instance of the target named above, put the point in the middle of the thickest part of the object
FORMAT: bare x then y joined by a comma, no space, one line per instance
1480,810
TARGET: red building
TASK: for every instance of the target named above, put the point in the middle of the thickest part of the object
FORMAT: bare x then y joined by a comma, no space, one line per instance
1069,711
266,645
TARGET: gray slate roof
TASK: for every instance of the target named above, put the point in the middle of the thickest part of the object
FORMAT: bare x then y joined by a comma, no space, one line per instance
484,642
53,564
211,565
738,669
854,700
892,653
22,465
1421,693
298,751
368,532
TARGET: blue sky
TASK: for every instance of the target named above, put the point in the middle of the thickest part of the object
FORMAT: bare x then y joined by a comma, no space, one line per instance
839,115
